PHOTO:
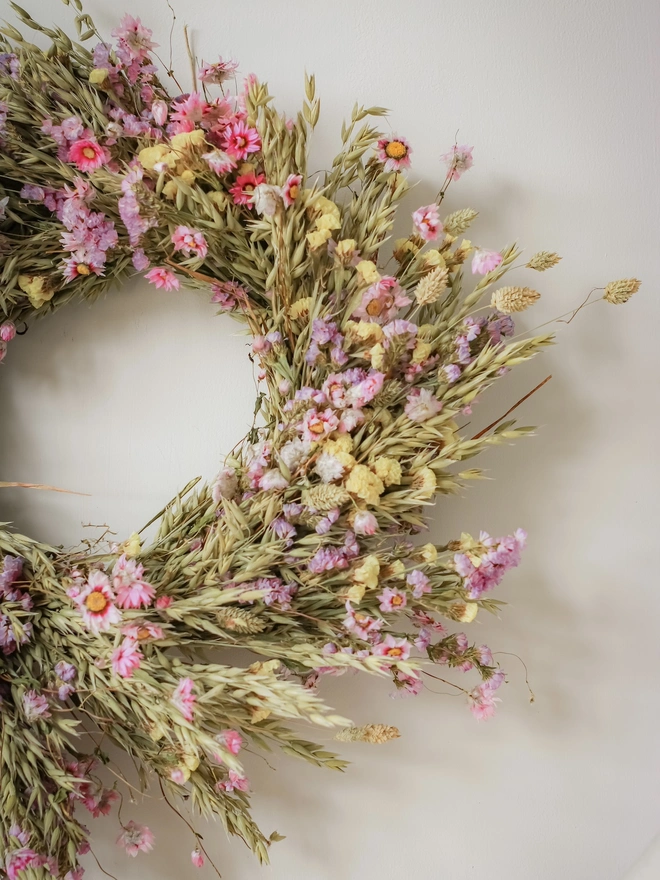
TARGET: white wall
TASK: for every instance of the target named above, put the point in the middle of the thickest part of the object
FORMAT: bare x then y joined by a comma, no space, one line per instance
129,399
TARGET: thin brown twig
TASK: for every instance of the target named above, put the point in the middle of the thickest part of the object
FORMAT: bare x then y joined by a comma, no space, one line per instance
183,819
41,486
511,409
532,695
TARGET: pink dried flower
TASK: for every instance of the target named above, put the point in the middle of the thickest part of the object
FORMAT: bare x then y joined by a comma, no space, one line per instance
361,624
132,590
291,189
126,658
485,261
216,74
317,425
184,699
483,702
365,523
35,706
427,222
232,740
96,602
163,602
159,112
394,152
239,140
20,860
163,278
136,838
382,301
407,685
7,331
392,599
197,858
88,155
65,671
419,583
459,160
422,405
190,241
235,782
219,162
143,631
393,648
244,186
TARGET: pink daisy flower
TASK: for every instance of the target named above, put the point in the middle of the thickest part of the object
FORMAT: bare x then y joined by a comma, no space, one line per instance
393,648
184,699
361,624
126,659
317,425
459,160
239,140
291,189
216,74
381,302
163,278
427,222
189,241
485,261
243,189
136,838
96,602
132,590
80,266
143,631
394,152
87,154
392,599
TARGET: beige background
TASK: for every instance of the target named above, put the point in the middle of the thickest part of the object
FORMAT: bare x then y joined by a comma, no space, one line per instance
129,399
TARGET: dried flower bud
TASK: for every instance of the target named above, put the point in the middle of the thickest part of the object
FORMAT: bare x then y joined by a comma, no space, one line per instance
543,260
431,286
513,299
369,733
619,292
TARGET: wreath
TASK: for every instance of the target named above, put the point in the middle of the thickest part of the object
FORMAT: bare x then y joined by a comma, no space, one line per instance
304,549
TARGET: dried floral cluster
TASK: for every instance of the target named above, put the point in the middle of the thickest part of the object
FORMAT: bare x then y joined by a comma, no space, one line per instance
301,550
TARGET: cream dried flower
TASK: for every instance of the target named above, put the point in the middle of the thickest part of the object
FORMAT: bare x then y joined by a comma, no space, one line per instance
543,260
365,484
514,299
425,482
300,309
619,292
388,470
432,285
369,733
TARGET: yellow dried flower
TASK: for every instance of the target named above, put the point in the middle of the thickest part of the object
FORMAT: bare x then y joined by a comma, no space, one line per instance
325,206
300,308
377,356
318,238
150,156
219,199
345,250
170,190
98,76
132,546
325,497
432,285
328,221
464,612
433,259
356,593
421,351
543,260
188,176
429,552
365,331
367,272
619,292
365,484
425,482
396,569
258,715
264,666
368,572
189,140
513,299
404,248
389,470
340,443
369,733
156,732
37,288
191,761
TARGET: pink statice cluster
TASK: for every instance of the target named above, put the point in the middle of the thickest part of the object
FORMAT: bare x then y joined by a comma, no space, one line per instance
484,568
15,630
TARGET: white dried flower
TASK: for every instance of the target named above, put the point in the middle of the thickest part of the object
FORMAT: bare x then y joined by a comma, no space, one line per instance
328,467
266,198
225,485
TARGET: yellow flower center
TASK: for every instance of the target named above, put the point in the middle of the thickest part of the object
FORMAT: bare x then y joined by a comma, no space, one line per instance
88,153
374,308
82,269
96,602
396,150
395,652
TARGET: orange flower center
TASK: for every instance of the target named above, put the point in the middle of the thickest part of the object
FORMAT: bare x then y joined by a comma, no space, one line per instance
96,602
396,150
374,308
293,191
88,152
316,428
395,652
143,633
397,600
82,269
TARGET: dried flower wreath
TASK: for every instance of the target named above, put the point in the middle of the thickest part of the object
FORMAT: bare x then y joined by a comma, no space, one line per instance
300,551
